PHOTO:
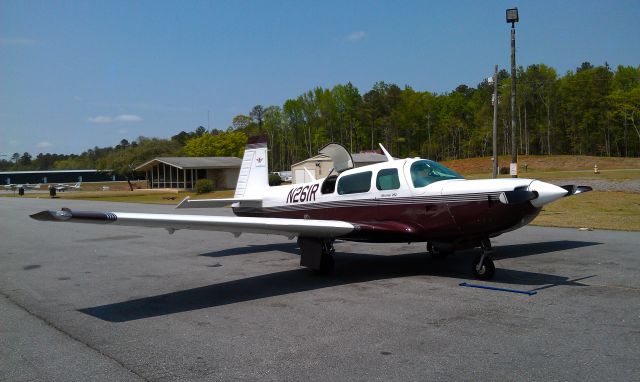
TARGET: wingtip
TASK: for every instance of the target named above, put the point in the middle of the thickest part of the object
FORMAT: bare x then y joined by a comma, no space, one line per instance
183,203
45,215
51,215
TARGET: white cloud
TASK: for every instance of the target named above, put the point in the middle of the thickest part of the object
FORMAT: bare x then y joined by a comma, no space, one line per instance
356,36
17,41
128,118
100,119
43,144
122,118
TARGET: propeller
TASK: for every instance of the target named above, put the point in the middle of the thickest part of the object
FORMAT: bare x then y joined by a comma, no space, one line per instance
572,189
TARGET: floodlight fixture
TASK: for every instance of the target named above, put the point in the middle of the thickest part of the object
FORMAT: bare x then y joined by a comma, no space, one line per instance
512,16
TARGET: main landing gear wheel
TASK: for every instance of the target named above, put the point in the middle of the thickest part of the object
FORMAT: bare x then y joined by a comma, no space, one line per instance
326,265
482,265
437,253
317,254
326,260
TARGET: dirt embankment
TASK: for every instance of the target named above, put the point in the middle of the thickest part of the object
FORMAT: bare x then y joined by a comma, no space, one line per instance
544,163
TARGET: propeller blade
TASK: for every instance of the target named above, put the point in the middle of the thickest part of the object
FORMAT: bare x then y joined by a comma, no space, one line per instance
575,190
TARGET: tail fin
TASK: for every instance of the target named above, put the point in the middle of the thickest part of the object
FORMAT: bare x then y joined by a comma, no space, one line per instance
254,173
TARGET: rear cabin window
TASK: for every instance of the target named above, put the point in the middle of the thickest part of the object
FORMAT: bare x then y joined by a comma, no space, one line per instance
353,184
387,179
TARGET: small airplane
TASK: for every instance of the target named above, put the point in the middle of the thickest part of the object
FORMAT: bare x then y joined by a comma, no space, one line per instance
61,187
25,186
397,201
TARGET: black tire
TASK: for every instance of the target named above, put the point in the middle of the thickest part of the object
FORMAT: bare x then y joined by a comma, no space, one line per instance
327,265
487,270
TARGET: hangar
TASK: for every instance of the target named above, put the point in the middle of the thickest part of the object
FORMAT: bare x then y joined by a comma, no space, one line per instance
320,165
183,172
57,176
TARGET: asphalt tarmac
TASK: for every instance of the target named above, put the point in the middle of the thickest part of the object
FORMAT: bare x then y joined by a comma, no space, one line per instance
101,302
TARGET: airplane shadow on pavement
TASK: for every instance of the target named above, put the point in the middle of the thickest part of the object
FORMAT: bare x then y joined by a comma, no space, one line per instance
350,268
291,247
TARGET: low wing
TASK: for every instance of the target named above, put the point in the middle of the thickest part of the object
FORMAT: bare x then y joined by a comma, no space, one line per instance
236,225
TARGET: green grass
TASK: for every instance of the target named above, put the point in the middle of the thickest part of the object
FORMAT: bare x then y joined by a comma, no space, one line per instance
611,175
137,196
599,210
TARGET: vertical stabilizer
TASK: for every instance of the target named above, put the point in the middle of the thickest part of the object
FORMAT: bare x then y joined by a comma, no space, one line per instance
254,174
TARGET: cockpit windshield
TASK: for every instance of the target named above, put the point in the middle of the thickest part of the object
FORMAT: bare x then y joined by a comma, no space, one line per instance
424,172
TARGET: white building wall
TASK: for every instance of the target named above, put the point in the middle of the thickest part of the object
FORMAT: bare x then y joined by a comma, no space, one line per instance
319,169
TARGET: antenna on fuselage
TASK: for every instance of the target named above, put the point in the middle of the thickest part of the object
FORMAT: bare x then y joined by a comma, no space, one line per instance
386,153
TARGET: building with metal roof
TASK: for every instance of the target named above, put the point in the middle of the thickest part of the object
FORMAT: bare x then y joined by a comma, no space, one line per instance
320,165
183,172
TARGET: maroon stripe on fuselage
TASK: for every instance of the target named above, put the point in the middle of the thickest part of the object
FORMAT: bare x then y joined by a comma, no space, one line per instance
447,221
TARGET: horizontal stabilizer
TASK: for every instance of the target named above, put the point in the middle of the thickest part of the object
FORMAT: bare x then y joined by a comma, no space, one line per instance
212,203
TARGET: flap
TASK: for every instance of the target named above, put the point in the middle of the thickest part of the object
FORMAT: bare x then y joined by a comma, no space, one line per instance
212,203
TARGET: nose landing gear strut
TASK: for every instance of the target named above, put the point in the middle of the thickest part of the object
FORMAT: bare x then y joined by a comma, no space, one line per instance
482,265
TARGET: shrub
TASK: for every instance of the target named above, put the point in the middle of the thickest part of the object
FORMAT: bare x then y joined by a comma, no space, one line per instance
204,186
504,170
274,180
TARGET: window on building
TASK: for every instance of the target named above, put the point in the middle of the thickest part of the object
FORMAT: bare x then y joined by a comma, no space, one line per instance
353,184
387,179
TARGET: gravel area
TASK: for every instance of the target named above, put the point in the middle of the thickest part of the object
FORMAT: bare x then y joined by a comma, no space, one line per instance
602,185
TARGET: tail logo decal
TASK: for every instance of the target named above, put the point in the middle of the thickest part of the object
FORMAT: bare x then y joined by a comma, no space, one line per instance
260,162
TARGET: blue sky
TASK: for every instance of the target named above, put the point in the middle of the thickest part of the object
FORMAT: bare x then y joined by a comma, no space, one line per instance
79,74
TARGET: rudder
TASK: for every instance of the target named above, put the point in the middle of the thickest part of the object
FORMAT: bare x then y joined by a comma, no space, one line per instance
254,172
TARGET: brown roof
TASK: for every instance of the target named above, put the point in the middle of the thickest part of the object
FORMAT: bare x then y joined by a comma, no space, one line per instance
187,163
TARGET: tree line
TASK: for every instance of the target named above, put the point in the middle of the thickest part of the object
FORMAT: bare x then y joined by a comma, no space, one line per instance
593,110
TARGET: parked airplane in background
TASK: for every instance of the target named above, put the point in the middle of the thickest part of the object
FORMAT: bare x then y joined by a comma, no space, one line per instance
60,187
400,200
25,186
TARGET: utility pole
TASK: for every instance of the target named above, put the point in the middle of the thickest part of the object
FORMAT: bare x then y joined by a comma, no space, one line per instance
495,124
429,135
513,18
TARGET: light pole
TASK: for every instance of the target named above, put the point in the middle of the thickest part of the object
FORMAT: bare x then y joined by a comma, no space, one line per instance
512,17
494,167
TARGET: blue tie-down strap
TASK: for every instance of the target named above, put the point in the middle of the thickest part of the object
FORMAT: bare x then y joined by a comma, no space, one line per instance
527,292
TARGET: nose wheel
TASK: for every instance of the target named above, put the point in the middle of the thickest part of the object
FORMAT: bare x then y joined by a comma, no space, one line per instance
482,265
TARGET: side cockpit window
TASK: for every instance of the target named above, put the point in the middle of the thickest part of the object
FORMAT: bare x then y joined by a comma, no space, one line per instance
355,183
329,184
388,179
424,172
